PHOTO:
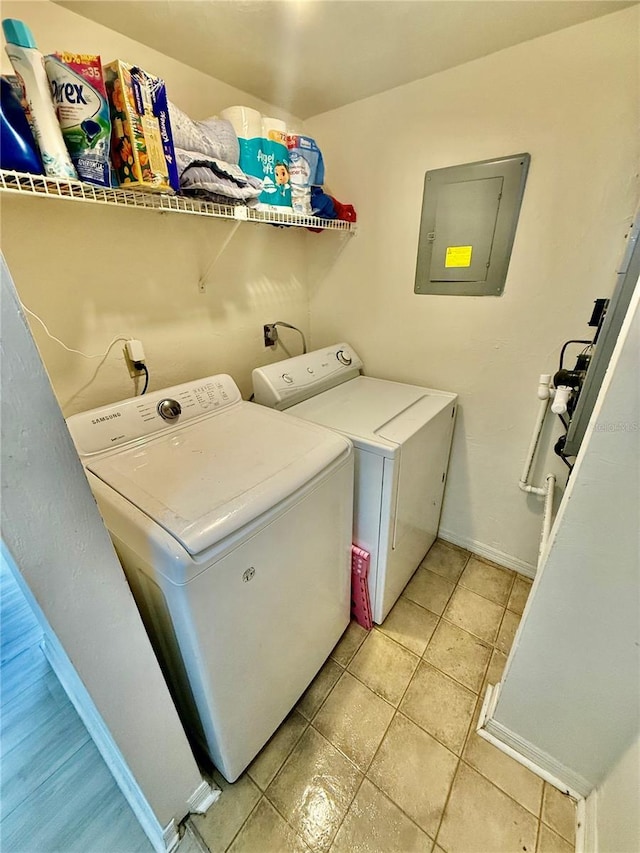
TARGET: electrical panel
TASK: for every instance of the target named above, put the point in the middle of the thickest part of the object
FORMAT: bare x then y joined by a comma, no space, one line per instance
468,225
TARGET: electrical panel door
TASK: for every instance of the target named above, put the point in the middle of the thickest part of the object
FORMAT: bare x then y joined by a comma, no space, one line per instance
469,218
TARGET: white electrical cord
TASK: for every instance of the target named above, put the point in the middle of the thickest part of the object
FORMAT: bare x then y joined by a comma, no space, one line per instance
295,329
70,349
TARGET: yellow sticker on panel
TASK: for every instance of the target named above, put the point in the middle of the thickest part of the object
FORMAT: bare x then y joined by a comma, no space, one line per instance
458,256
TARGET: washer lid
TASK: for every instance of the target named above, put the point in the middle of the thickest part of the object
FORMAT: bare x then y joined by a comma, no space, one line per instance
376,414
210,478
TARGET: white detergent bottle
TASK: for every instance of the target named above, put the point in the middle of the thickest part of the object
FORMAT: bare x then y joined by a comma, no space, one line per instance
28,63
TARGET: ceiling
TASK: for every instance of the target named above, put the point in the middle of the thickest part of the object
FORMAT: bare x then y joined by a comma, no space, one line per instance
310,56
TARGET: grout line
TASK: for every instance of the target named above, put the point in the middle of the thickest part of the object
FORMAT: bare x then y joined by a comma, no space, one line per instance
447,799
244,822
453,779
538,832
307,723
357,649
395,714
378,629
434,736
346,757
293,829
486,597
491,643
417,603
449,675
470,729
379,695
442,615
396,711
400,809
502,791
196,831
375,755
331,689
344,817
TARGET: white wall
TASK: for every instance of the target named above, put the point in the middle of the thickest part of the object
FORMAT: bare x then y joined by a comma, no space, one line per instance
51,526
618,800
93,273
571,99
571,684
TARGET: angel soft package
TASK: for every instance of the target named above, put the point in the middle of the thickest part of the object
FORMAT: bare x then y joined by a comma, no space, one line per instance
263,154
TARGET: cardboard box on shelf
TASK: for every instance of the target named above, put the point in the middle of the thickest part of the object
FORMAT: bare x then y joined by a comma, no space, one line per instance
142,150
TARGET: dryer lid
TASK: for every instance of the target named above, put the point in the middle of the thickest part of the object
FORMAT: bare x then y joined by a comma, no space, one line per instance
207,480
376,414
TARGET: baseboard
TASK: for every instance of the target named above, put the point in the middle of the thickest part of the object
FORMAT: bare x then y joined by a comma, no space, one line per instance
587,834
171,837
489,553
205,795
539,762
106,745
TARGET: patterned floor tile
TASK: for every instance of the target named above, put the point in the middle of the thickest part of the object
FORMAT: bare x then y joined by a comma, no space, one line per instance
384,666
415,771
314,789
354,719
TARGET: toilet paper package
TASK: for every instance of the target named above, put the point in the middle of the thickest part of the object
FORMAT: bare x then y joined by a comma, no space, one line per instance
306,170
276,186
263,154
247,124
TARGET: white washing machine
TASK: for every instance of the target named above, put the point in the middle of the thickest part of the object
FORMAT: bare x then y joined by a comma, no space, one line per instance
402,438
233,525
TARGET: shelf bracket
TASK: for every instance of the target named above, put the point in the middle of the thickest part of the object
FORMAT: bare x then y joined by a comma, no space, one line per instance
202,284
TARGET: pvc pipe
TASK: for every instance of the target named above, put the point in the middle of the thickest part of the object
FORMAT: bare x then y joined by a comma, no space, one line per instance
561,398
531,490
548,512
544,394
533,446
543,386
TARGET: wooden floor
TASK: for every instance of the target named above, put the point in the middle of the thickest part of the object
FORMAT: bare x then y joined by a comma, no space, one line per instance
56,793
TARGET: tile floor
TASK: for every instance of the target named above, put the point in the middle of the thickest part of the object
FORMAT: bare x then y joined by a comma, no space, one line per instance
381,752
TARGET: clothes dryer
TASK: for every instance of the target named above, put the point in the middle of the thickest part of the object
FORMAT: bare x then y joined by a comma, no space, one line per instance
402,437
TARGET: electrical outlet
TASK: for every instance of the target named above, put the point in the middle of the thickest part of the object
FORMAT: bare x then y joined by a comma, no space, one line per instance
270,334
133,353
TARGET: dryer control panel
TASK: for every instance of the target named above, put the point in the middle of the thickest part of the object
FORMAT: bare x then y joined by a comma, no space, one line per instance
139,417
288,382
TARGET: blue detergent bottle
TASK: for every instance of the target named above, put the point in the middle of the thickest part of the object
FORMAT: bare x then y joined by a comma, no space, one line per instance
18,151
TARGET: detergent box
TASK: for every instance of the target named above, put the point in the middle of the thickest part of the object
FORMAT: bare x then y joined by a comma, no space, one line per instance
142,149
80,101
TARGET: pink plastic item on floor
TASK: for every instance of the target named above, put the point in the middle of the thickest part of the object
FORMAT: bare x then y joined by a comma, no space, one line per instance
360,604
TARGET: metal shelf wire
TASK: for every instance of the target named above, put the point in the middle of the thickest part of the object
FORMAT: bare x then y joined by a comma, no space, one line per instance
61,188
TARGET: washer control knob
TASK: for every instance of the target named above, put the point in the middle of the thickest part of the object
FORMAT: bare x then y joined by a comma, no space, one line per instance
287,378
169,409
343,357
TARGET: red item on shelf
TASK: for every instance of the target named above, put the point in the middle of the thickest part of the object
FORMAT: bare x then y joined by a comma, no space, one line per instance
347,212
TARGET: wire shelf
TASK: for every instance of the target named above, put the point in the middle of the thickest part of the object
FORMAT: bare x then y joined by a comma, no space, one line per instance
61,188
